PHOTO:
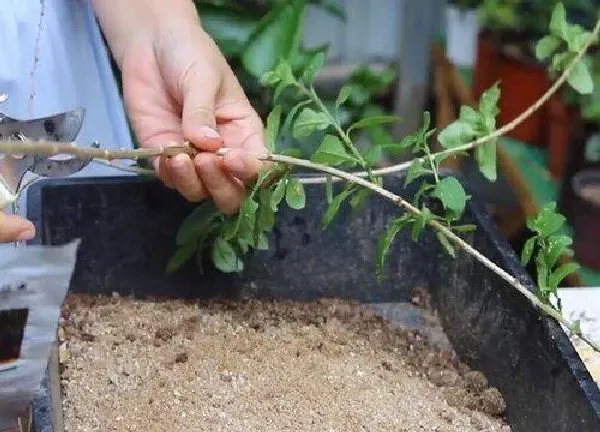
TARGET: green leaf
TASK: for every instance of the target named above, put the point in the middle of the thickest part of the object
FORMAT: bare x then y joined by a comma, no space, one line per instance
276,37
557,276
456,134
446,244
374,155
310,121
547,221
387,238
555,246
314,66
263,242
182,255
334,207
246,216
329,188
416,170
469,115
230,29
333,153
225,258
360,198
451,193
196,223
423,189
292,114
558,21
273,122
527,250
580,79
344,94
546,47
420,222
294,194
488,103
266,214
373,121
485,154
278,193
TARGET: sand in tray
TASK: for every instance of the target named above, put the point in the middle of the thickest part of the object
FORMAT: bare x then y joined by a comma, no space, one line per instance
260,366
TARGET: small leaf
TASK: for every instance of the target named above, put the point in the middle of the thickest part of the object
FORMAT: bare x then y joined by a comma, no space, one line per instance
182,255
547,221
527,250
373,121
334,207
546,47
446,244
287,125
314,66
294,194
488,103
310,121
580,79
273,121
374,155
344,94
423,189
455,134
332,152
387,238
420,222
557,276
263,242
558,21
266,214
469,115
555,246
278,193
486,159
329,188
246,216
270,78
416,170
451,193
225,258
196,223
360,198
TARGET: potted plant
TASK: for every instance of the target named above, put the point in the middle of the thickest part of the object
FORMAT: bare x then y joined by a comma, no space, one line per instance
462,28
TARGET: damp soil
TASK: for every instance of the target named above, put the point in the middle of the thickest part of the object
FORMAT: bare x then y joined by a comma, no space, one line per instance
250,365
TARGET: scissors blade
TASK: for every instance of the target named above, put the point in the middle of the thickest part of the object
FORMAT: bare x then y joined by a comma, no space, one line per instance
59,127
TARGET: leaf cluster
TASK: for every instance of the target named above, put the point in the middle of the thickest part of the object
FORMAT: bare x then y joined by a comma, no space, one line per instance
561,47
545,249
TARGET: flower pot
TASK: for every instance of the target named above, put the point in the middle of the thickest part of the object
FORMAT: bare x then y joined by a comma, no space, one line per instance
560,124
127,228
522,82
462,28
586,217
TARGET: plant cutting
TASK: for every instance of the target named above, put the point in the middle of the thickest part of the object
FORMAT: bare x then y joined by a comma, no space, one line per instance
439,203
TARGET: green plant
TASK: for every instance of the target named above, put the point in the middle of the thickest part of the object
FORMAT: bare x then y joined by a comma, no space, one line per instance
227,239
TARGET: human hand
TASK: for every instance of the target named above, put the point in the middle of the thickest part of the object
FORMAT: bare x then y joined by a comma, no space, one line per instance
178,87
14,228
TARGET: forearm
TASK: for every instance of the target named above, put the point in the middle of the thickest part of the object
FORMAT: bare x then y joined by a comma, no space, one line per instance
126,23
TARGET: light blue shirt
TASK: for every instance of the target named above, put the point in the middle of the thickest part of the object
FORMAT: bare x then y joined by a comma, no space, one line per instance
72,69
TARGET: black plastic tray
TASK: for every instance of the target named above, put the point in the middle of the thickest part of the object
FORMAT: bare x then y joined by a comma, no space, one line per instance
128,225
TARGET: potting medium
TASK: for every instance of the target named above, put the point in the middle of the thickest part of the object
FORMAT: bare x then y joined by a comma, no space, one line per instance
258,365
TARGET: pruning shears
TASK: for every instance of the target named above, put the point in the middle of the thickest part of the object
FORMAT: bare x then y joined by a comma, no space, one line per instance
62,127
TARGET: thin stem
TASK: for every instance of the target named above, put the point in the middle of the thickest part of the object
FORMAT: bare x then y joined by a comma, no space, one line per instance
399,201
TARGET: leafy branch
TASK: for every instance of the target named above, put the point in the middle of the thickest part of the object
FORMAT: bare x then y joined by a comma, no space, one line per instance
229,238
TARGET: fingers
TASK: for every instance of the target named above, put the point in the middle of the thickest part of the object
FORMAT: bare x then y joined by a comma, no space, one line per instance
226,191
14,228
183,177
242,164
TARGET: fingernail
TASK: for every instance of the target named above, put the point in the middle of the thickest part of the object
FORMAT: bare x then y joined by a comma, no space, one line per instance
28,234
209,132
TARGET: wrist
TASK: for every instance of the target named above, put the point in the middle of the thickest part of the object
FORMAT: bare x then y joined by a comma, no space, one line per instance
130,23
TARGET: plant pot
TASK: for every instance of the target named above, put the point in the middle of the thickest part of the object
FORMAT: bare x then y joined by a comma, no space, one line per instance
522,82
462,28
561,121
586,218
127,228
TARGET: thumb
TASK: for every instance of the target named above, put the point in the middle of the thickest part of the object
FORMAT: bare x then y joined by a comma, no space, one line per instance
200,87
14,228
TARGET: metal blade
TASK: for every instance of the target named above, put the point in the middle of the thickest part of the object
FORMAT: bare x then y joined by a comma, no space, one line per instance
59,127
